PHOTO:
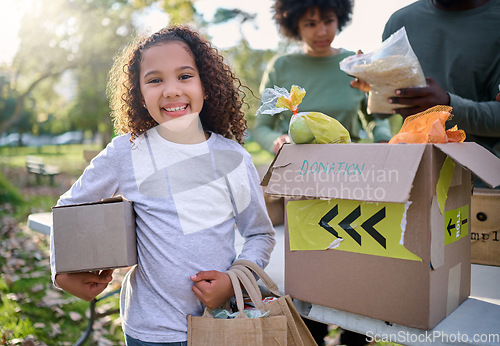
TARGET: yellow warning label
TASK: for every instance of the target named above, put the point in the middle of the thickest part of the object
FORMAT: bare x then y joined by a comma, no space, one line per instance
456,224
355,226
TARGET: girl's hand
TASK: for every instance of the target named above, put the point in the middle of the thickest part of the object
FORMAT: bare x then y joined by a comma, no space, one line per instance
213,288
278,143
360,84
85,285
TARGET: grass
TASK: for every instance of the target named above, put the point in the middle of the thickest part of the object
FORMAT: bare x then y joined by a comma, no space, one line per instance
31,309
68,157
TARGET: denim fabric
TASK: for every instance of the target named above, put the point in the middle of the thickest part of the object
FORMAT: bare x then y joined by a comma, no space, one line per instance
134,342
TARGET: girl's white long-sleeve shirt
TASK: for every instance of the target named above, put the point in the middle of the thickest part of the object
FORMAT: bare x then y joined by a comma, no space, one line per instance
187,200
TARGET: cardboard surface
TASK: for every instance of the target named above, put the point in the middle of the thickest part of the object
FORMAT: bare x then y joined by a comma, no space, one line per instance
341,256
368,172
475,158
94,236
485,235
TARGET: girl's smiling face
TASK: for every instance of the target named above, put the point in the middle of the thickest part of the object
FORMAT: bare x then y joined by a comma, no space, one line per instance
170,81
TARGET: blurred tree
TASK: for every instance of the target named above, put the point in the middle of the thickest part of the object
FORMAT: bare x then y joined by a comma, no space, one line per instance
68,46
182,12
243,56
23,122
75,38
90,109
7,98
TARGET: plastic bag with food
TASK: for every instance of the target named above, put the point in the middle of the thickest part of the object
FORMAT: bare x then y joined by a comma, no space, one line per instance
429,127
305,127
392,66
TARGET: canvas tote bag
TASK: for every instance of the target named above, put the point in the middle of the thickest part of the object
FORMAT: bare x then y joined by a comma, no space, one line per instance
297,331
241,330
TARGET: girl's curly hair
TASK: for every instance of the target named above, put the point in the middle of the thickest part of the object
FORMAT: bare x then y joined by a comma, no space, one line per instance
288,12
221,112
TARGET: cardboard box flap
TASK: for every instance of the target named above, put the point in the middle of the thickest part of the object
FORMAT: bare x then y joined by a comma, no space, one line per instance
368,172
102,201
475,158
267,176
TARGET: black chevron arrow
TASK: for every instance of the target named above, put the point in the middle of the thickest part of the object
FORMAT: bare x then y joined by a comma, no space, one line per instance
346,224
452,226
368,227
327,218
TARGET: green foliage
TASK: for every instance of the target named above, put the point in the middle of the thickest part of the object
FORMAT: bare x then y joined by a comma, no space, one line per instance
395,122
30,307
240,58
66,50
7,100
9,194
223,15
260,157
180,11
10,321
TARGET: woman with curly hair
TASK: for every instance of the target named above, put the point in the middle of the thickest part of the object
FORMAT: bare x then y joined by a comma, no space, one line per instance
315,23
179,160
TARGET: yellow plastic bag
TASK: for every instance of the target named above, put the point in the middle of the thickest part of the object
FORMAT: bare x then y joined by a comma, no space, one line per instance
317,128
429,127
305,127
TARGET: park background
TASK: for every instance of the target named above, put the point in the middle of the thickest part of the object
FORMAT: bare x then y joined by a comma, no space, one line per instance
54,59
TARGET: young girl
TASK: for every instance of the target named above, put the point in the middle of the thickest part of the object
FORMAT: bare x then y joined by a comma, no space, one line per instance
315,24
177,106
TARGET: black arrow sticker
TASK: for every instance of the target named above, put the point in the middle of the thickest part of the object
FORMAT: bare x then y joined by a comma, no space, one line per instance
346,224
327,218
450,227
368,226
349,219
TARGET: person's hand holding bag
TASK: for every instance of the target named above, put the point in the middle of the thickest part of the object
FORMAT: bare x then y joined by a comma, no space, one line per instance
359,83
418,100
393,66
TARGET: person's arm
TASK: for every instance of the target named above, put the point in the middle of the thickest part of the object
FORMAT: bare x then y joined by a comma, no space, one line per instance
418,100
97,181
476,118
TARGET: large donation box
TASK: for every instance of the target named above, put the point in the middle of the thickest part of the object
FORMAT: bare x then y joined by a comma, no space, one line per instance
380,230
